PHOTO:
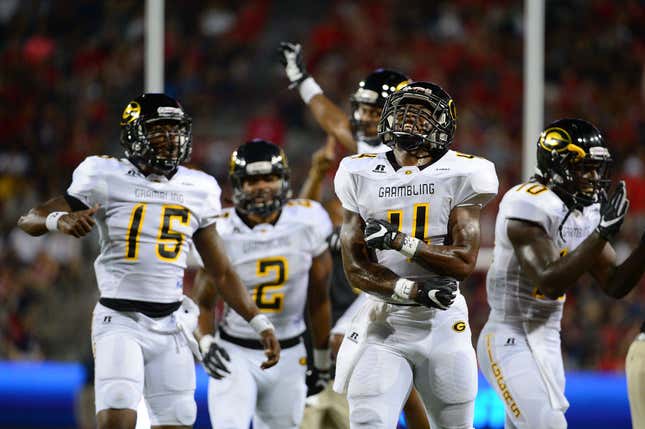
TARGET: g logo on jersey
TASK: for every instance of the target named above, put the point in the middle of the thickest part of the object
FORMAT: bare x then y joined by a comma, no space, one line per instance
131,113
459,326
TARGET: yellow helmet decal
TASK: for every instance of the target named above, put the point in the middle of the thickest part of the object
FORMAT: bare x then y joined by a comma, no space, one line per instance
131,113
231,164
559,140
402,84
452,107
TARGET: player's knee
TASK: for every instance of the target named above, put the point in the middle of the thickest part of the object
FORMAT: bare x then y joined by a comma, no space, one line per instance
120,394
366,417
186,411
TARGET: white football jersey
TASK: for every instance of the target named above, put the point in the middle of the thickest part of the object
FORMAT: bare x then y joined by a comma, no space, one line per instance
273,262
145,225
418,201
511,295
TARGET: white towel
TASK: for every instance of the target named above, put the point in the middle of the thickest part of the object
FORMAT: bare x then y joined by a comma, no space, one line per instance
535,335
353,343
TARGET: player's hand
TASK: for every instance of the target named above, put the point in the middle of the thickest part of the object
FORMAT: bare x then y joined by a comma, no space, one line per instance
380,234
321,162
271,348
291,59
438,293
78,224
612,212
317,380
214,357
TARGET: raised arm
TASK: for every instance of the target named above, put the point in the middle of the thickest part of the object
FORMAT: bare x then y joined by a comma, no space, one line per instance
541,261
231,289
553,275
320,164
618,280
328,115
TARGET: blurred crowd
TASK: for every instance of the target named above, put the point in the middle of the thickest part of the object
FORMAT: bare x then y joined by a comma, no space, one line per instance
68,69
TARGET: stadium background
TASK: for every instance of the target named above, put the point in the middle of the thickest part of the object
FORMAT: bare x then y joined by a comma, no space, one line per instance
68,68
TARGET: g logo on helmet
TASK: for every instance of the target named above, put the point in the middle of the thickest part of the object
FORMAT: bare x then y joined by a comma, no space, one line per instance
554,138
459,326
131,113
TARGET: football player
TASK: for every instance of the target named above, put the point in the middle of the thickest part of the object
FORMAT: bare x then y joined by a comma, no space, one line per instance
330,410
149,210
278,247
549,232
635,368
358,133
410,233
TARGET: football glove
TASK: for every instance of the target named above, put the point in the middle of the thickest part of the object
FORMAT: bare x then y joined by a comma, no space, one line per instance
379,234
437,293
291,59
612,212
317,380
214,358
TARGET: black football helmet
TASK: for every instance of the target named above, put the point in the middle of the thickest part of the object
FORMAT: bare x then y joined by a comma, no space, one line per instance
573,161
373,91
136,121
258,158
419,116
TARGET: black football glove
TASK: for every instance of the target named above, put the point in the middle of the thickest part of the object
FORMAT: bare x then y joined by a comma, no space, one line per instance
214,358
317,380
612,212
379,234
437,293
291,59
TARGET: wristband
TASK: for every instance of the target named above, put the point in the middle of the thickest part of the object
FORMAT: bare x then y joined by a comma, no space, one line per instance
261,323
205,342
51,221
308,89
402,289
322,359
409,246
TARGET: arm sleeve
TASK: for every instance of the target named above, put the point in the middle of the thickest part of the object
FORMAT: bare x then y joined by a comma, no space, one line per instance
212,206
87,182
523,206
479,187
345,188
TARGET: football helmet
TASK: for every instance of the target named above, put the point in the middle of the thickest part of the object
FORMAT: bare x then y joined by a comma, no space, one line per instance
146,142
370,97
259,158
419,116
573,161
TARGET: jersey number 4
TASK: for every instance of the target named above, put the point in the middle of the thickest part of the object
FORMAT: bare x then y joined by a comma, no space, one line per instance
266,295
168,241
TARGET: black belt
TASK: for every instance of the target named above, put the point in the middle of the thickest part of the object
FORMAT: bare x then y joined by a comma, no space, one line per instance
150,309
255,344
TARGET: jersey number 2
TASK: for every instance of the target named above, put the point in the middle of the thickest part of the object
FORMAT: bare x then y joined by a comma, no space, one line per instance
280,266
168,241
